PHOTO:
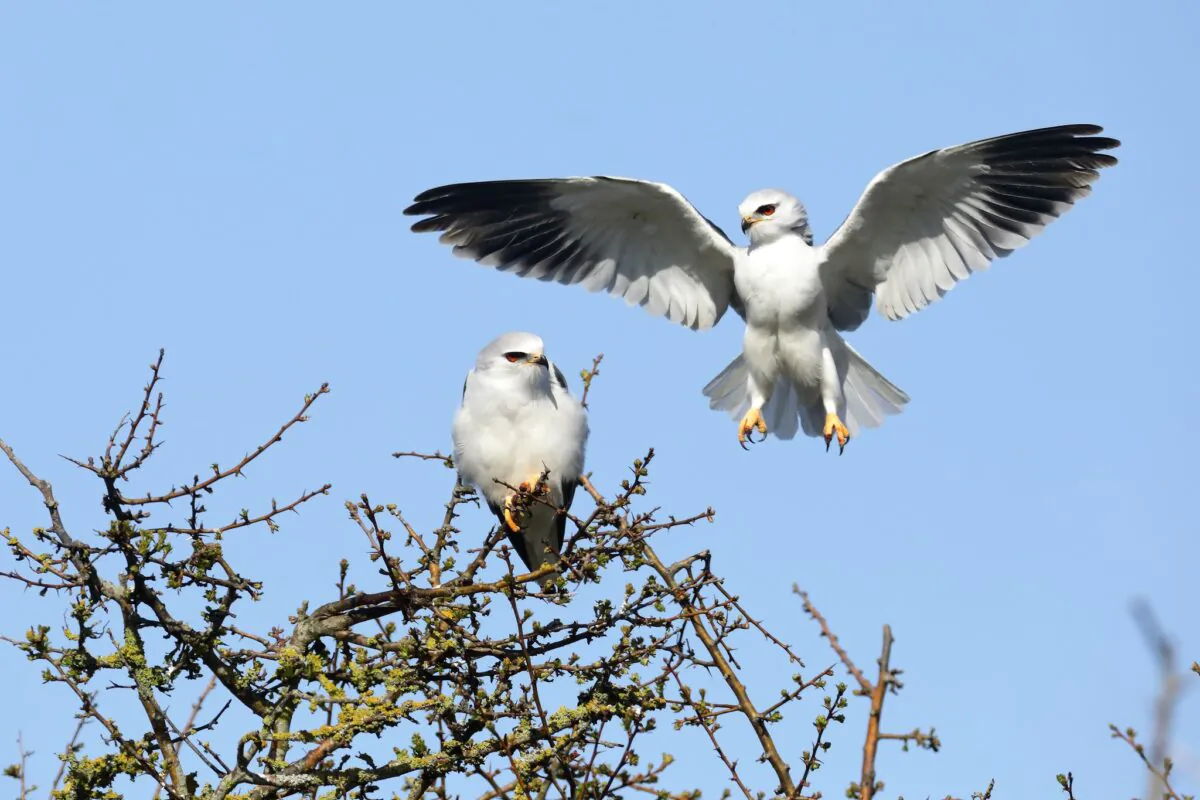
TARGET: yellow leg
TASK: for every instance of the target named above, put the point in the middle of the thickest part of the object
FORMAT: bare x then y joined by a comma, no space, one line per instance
751,422
833,426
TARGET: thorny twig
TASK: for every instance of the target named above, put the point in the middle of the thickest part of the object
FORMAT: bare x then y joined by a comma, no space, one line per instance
886,681
588,375
412,649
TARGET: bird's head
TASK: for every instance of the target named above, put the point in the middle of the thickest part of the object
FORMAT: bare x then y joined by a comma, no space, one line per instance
770,213
516,355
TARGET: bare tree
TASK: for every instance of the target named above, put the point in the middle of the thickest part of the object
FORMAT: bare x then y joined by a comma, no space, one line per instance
443,672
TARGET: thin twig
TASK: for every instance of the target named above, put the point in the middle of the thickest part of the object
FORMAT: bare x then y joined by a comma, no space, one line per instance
864,684
588,375
220,474
69,751
21,767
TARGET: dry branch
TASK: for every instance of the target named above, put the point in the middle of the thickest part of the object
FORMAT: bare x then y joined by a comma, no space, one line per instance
405,681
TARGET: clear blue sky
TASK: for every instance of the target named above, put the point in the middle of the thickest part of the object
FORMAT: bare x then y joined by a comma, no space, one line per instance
227,181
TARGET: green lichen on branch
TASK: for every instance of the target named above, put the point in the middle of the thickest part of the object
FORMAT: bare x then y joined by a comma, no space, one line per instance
494,687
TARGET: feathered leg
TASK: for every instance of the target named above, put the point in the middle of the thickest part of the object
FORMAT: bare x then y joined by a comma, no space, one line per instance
831,398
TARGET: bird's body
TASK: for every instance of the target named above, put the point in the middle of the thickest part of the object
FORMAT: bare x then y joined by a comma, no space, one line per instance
920,227
796,361
781,290
520,431
518,421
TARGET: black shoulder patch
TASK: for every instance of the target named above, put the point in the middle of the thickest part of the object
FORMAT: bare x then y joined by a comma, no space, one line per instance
559,378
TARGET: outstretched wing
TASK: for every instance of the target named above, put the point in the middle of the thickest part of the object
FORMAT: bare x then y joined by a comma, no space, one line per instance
638,240
927,223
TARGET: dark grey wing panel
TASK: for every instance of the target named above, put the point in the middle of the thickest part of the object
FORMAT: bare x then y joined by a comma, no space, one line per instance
560,379
560,521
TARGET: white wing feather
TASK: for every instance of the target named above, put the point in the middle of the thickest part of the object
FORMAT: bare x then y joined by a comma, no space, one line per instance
927,223
638,240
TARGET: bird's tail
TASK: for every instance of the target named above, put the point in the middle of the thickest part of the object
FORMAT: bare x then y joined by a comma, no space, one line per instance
869,397
539,540
730,392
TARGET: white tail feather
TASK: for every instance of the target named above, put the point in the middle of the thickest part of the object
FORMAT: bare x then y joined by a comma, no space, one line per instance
869,396
730,390
782,411
868,399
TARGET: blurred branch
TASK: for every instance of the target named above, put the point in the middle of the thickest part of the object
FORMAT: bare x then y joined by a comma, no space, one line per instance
1170,688
69,752
18,770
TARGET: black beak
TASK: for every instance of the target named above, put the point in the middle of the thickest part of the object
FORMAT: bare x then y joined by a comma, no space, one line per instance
745,225
541,361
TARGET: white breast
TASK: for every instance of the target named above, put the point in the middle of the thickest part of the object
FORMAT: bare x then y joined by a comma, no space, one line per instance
780,284
506,432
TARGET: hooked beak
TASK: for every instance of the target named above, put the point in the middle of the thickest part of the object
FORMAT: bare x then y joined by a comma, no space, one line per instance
537,358
747,222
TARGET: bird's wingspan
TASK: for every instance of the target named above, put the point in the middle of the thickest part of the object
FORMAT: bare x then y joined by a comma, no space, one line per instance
927,223
638,240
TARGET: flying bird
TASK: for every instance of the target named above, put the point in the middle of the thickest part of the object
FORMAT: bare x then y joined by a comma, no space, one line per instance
919,228
517,421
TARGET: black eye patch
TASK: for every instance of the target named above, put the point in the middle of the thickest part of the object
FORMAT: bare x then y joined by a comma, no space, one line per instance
767,210
514,356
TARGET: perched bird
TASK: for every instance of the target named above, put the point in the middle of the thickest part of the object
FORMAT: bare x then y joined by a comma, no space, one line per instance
921,226
518,420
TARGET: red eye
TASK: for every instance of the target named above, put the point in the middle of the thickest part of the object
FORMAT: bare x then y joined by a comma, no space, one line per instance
514,357
767,211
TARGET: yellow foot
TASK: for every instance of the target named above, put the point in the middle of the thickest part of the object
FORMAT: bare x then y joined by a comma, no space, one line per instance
509,519
833,425
531,486
751,422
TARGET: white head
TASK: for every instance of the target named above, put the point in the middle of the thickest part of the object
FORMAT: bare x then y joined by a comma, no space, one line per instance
771,213
516,355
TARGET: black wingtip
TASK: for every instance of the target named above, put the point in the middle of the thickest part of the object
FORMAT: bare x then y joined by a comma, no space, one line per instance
1071,149
422,200
429,224
1080,129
